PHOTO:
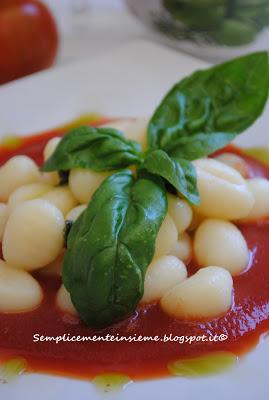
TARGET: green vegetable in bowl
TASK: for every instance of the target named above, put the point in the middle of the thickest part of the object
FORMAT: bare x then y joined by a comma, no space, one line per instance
112,243
196,15
226,22
198,3
250,3
251,20
234,32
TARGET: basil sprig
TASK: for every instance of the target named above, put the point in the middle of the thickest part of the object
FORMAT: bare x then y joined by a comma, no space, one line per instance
99,149
179,173
111,245
205,111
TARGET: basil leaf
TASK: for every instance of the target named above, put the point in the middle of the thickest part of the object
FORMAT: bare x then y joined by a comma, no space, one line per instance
100,149
179,173
110,246
199,145
224,99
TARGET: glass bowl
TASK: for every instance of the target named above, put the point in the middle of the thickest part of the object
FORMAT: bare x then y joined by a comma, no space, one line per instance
214,30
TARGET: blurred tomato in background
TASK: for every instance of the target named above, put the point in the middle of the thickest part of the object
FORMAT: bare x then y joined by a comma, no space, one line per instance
28,38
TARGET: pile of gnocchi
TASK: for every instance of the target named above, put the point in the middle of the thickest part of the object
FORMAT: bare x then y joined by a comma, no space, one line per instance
34,208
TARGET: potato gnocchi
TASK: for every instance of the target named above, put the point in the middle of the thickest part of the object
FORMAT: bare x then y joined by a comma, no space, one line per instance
181,212
182,248
162,274
34,209
166,237
83,183
64,303
33,235
17,171
234,161
27,192
205,294
19,291
224,192
3,219
52,178
73,214
62,198
259,187
220,243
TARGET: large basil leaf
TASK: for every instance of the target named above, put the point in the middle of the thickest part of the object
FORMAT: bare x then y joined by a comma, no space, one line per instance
179,173
199,145
100,149
110,246
225,99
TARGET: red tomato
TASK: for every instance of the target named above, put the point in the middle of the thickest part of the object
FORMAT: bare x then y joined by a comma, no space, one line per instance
28,38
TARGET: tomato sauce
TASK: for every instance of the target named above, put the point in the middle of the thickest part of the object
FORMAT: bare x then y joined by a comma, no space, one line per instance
244,324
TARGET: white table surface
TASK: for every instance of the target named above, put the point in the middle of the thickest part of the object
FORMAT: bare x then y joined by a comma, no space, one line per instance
101,26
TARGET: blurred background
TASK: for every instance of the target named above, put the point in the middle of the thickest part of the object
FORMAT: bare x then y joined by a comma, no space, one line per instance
38,34
89,27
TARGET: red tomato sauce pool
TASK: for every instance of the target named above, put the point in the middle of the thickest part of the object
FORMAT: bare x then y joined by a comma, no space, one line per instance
247,320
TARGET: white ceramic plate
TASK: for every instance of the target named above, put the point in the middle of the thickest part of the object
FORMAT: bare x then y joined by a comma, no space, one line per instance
127,82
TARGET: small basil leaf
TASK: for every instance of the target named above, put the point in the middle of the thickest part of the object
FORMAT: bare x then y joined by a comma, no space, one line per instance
199,145
179,173
226,98
110,246
100,149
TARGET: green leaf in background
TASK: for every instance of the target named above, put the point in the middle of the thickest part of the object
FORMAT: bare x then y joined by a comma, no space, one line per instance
209,364
178,172
99,149
110,246
223,100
